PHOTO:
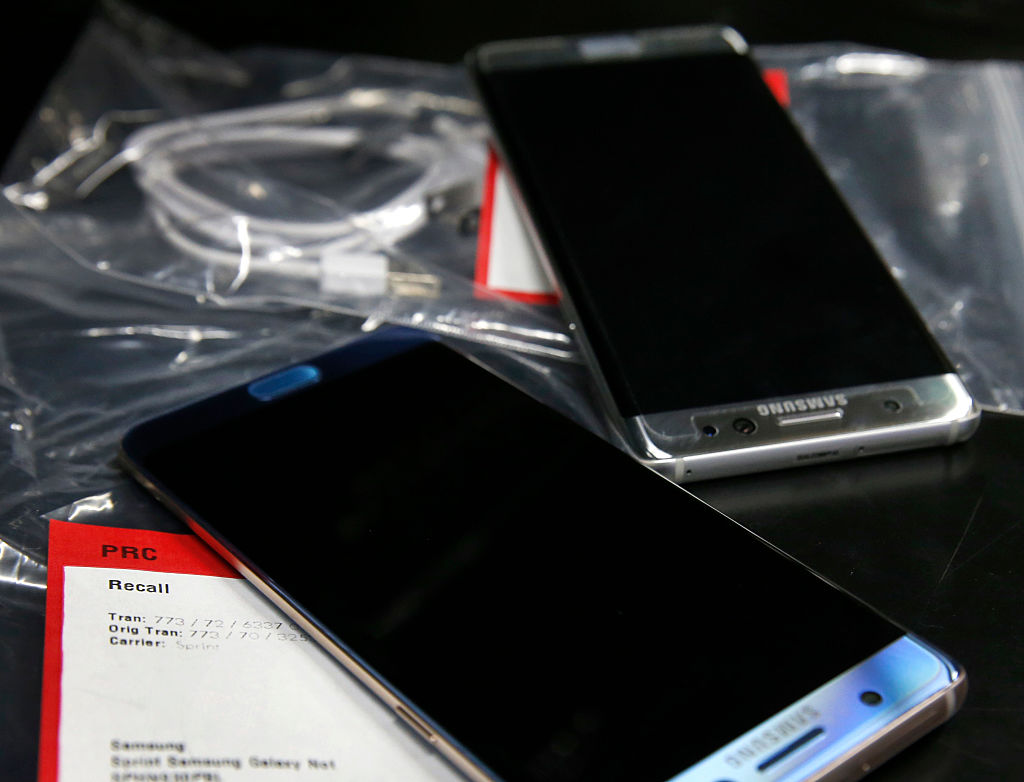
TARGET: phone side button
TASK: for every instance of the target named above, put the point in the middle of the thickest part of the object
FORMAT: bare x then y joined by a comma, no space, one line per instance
416,725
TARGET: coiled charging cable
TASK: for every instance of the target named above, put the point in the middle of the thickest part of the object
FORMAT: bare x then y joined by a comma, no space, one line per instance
442,136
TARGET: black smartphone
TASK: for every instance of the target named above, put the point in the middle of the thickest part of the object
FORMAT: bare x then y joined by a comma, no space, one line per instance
531,600
735,314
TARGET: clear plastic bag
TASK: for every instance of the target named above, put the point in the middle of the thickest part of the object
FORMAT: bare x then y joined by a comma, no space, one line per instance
930,155
271,180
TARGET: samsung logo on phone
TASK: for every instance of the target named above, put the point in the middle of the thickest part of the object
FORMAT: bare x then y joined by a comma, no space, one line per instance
803,404
768,739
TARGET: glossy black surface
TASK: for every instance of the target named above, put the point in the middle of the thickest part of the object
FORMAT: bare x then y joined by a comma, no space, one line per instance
561,611
708,256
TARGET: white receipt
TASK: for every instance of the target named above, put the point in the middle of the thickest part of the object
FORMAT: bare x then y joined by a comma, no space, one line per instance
167,676
506,260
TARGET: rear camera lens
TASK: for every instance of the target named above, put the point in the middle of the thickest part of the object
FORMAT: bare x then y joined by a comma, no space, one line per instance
744,426
710,431
870,698
892,405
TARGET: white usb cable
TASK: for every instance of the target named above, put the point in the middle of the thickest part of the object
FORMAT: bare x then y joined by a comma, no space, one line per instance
350,254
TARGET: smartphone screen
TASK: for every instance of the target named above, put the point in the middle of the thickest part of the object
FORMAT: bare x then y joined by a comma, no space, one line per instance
559,611
707,254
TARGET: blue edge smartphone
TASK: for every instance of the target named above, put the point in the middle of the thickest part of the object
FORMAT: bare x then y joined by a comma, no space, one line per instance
533,602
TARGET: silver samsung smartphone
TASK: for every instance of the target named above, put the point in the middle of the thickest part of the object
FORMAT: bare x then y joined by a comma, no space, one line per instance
529,599
735,313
